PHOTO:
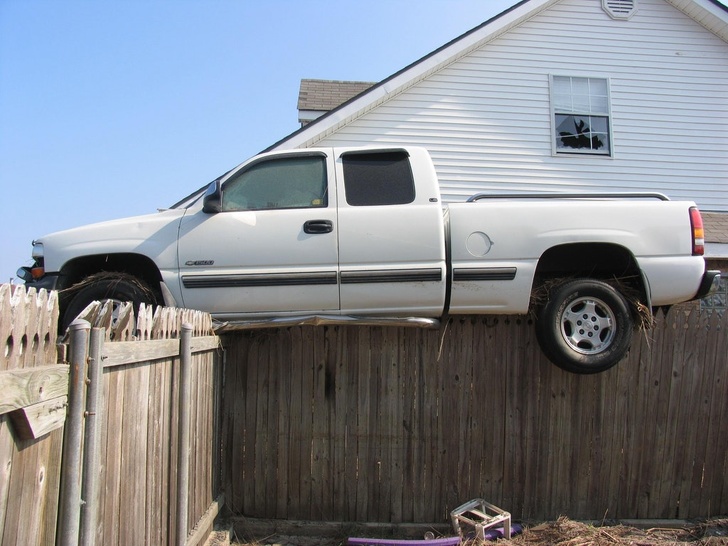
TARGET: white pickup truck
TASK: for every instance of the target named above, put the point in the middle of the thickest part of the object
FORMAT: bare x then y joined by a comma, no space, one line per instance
360,235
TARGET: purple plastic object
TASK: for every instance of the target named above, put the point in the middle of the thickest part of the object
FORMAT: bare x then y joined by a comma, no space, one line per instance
498,532
447,541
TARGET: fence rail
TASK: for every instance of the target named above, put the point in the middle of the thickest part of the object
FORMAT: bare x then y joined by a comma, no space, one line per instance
381,424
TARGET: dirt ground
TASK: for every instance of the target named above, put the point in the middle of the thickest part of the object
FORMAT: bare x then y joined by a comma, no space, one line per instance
565,532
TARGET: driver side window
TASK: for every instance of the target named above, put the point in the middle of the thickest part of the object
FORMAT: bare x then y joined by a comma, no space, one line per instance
281,183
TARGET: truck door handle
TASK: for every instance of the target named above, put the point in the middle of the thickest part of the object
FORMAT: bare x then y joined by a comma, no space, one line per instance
318,226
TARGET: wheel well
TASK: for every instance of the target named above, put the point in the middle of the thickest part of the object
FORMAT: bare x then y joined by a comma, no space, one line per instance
132,264
603,261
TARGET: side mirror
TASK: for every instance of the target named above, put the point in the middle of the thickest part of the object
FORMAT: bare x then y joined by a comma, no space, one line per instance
212,200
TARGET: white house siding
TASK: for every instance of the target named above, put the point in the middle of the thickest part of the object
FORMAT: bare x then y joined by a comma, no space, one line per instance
486,118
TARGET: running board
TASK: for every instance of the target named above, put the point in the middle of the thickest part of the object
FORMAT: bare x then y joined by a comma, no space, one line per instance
323,320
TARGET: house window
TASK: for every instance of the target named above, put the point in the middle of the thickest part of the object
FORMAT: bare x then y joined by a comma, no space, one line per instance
381,178
581,115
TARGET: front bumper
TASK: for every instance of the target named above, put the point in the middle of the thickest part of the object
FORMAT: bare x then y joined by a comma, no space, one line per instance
709,283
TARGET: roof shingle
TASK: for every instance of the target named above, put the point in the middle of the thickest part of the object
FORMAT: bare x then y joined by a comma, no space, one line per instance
325,95
716,227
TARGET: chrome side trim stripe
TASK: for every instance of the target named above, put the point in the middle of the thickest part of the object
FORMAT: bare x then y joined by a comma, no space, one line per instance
365,276
485,274
270,279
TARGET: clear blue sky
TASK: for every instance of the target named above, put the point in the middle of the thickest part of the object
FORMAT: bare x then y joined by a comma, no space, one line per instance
114,108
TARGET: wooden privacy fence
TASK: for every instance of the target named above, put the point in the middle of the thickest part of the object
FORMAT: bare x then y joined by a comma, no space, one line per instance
377,424
150,448
32,410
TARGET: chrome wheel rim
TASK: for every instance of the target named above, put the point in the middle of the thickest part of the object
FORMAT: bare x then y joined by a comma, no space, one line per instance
588,325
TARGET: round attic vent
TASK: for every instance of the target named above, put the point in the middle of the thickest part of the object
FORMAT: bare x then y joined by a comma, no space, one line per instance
620,9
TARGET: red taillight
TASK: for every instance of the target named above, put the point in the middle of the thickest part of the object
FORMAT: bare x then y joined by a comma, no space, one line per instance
696,223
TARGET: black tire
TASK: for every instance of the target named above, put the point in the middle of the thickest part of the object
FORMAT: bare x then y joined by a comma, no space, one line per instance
118,287
585,327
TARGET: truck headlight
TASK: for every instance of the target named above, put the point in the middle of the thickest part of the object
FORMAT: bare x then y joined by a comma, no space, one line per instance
37,253
38,269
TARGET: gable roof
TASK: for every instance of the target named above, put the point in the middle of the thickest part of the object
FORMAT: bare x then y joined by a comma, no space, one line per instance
711,14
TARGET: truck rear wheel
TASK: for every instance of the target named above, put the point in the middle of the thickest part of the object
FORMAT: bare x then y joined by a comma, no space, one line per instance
585,327
117,287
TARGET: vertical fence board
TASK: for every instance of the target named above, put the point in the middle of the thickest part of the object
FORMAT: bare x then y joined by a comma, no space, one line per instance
111,474
715,482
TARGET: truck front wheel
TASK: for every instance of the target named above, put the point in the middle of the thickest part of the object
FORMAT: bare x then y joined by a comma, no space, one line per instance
117,287
585,326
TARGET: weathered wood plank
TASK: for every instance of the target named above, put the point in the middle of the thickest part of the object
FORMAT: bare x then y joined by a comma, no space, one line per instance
30,496
244,426
361,350
33,421
131,352
112,440
321,431
7,452
158,452
204,526
24,387
306,445
296,441
282,386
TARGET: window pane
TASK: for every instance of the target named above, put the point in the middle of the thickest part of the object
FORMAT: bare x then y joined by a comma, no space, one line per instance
581,104
598,86
599,104
562,85
580,86
293,182
562,103
584,133
378,179
599,124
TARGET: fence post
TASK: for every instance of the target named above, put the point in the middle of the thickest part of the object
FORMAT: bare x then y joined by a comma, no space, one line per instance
71,466
91,456
183,449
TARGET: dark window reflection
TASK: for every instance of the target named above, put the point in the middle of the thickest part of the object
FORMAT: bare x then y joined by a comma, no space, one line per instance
588,133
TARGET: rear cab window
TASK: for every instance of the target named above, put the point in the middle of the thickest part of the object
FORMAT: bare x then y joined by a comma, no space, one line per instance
378,178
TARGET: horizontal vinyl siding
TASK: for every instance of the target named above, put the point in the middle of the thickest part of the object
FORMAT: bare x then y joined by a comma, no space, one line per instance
486,118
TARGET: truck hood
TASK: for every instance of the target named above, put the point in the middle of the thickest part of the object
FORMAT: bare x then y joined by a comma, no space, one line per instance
153,235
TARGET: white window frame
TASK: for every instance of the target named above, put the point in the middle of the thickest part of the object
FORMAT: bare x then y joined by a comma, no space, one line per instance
592,105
